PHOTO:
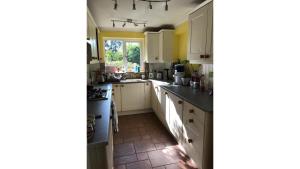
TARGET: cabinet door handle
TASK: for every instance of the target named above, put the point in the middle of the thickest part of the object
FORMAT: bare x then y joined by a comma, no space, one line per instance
156,58
202,56
191,111
190,140
112,94
122,85
112,89
166,93
180,102
191,121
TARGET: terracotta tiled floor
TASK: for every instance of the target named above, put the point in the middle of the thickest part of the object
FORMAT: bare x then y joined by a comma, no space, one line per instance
144,143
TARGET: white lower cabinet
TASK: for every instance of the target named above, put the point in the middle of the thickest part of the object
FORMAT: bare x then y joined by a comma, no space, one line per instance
197,135
147,91
117,97
190,126
175,119
132,97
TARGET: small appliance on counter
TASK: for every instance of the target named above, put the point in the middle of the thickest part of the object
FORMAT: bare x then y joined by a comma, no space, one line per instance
178,74
151,75
159,75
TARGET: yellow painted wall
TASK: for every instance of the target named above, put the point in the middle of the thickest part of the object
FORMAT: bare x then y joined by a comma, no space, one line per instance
181,33
181,41
117,34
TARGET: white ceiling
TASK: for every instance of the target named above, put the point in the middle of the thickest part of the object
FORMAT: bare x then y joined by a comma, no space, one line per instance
103,12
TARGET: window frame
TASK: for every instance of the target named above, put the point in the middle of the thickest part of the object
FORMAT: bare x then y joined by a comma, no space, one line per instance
140,40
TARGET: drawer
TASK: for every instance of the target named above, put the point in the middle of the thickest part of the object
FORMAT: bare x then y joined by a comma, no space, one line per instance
193,117
193,145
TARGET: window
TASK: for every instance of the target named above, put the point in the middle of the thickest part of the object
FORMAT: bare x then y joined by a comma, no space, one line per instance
123,55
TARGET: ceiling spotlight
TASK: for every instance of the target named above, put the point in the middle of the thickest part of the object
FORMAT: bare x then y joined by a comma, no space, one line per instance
115,5
114,24
133,5
150,5
166,7
124,24
135,24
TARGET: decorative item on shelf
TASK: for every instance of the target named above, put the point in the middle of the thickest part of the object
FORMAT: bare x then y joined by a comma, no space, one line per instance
149,1
131,21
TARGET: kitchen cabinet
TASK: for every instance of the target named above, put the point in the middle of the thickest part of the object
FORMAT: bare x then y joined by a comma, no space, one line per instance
175,116
147,91
117,97
163,107
166,45
200,35
152,47
159,46
130,97
92,38
197,135
133,96
101,155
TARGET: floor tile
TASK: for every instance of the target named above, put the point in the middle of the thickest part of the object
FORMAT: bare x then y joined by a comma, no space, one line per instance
160,146
142,156
144,146
139,165
123,149
125,159
120,167
161,167
162,157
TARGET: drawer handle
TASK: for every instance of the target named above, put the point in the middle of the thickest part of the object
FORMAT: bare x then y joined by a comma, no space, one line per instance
166,93
116,85
122,85
191,121
112,89
206,56
202,56
190,140
179,102
191,111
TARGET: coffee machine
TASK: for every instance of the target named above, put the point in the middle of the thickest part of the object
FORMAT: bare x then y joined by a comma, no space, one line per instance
178,74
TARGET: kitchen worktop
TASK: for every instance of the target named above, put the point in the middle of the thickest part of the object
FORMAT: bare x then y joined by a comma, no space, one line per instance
197,98
102,107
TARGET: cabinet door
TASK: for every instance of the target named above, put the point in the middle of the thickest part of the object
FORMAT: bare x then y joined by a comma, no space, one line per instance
209,34
133,96
117,96
164,107
152,47
197,34
176,125
147,87
166,45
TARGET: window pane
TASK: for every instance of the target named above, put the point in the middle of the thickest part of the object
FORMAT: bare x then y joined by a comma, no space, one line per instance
133,52
114,54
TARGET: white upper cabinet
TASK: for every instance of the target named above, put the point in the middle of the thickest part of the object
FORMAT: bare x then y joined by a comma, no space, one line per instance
92,36
200,35
166,45
152,47
159,46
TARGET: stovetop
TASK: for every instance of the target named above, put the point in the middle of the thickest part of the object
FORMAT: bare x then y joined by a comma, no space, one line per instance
97,94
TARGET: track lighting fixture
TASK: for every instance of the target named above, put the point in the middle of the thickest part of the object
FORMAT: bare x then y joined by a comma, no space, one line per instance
166,7
134,22
150,4
115,5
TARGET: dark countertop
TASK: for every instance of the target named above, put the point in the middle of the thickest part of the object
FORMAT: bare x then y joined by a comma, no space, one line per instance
197,98
102,107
